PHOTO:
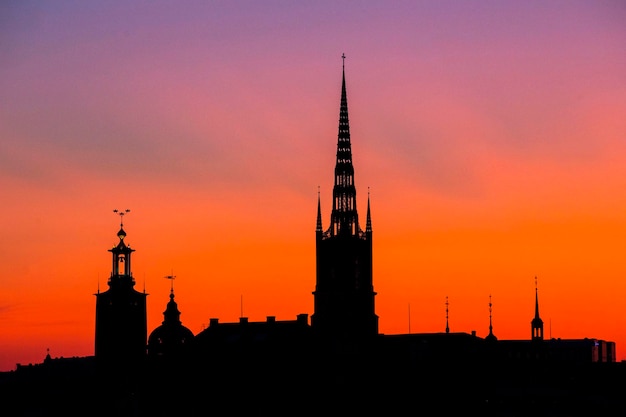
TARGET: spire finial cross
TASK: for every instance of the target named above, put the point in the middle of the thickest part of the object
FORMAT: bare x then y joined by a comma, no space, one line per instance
343,60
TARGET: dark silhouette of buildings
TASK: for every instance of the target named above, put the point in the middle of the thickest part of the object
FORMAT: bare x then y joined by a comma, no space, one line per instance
344,292
121,320
337,363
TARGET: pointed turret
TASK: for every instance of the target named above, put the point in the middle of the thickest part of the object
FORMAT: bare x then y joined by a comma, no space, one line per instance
536,324
318,226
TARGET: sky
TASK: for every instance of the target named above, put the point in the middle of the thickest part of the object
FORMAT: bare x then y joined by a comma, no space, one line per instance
490,136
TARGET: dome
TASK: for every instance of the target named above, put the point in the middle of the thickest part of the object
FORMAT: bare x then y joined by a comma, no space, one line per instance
171,336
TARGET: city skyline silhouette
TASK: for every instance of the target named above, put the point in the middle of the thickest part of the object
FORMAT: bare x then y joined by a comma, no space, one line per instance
488,137
337,360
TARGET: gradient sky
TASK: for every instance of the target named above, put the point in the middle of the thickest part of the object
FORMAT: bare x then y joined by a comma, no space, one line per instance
491,135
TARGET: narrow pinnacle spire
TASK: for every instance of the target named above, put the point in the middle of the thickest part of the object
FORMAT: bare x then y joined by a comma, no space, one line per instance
536,301
318,227
536,323
344,216
368,224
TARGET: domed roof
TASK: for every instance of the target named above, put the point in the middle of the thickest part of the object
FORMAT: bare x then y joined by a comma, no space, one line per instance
171,335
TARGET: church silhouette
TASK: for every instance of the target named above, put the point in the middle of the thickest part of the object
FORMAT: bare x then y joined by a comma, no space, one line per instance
335,361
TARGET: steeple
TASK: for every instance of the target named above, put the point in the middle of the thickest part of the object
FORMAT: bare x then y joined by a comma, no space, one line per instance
344,293
344,219
536,324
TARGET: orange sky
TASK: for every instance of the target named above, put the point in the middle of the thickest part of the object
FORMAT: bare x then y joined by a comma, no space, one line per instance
490,134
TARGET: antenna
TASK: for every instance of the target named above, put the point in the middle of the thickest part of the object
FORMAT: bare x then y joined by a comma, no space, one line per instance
121,214
241,306
409,318
447,328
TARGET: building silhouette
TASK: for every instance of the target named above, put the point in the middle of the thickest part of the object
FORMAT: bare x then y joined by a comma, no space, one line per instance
121,319
344,291
337,363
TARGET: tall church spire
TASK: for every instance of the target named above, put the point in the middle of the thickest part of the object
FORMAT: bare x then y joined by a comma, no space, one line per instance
344,293
344,218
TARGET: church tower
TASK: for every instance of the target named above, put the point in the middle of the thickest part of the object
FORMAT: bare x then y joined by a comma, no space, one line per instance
536,324
121,322
344,292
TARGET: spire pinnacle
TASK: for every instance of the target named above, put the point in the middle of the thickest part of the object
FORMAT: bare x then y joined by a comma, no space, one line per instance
490,336
536,300
368,223
344,215
318,227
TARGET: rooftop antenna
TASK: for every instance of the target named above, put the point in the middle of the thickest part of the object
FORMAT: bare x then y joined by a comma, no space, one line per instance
409,318
241,306
447,327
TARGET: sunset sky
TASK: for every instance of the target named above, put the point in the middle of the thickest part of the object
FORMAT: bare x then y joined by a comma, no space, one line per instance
491,136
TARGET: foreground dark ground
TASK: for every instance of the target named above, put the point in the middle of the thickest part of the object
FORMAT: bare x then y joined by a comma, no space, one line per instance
303,386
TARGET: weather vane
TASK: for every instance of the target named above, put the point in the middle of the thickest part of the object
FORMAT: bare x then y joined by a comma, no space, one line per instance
171,277
121,214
